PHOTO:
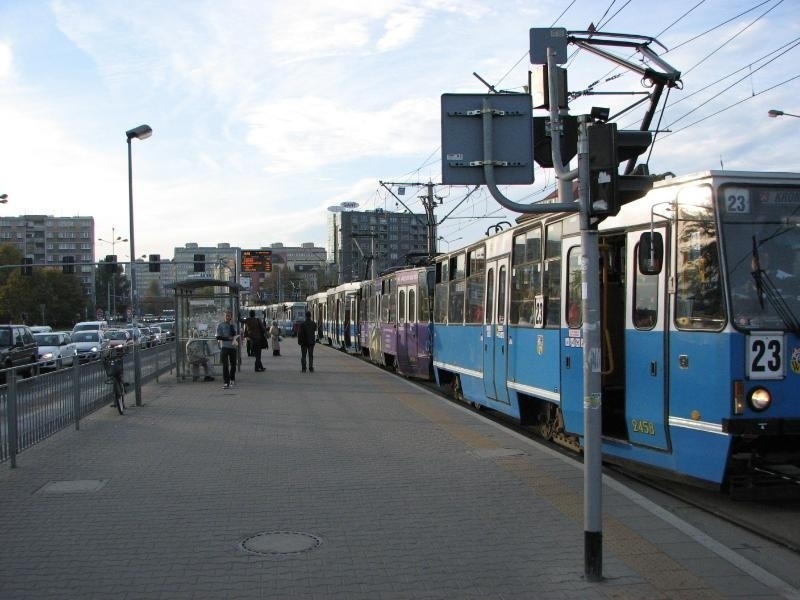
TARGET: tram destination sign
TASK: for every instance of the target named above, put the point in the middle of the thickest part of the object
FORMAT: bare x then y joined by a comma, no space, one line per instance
256,261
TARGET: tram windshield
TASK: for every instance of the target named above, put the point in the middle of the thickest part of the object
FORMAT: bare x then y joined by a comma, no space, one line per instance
761,233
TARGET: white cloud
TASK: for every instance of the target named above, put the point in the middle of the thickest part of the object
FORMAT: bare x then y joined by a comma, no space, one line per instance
306,133
6,59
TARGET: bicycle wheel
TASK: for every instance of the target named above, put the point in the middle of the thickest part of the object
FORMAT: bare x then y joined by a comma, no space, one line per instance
119,392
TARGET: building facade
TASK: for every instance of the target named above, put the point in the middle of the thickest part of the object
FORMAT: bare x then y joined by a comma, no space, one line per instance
361,244
297,271
47,241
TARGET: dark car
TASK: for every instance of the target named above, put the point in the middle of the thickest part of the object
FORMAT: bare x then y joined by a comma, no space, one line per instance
18,348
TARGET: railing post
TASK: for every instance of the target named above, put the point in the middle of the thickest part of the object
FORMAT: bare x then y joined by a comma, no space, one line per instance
13,441
76,391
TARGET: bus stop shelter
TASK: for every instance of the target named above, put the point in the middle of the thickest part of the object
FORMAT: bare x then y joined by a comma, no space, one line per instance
201,304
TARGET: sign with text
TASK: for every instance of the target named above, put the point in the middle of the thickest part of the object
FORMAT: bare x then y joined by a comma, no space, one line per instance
256,261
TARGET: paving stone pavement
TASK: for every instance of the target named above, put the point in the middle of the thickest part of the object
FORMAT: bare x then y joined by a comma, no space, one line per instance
343,483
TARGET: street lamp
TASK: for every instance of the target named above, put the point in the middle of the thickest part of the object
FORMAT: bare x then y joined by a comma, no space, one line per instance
3,198
142,132
112,299
779,113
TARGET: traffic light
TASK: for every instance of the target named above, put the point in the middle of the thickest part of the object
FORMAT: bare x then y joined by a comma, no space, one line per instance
26,268
607,148
111,263
154,265
199,263
68,265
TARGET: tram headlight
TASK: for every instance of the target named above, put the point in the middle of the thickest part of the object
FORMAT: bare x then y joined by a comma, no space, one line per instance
759,399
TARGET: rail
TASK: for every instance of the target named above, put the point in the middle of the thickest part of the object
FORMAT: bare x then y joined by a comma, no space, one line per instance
34,408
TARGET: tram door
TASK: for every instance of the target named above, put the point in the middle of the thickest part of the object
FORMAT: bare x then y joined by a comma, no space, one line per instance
407,347
646,367
495,334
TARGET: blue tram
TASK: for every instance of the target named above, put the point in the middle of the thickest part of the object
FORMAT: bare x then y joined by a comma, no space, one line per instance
700,299
700,320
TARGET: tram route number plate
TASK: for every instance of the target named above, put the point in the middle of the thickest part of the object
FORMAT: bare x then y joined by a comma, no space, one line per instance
766,356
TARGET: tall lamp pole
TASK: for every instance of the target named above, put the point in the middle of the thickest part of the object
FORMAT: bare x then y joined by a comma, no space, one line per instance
142,132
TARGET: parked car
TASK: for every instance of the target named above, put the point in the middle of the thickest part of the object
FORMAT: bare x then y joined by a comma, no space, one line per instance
90,326
18,348
157,335
91,344
168,329
145,337
119,338
41,328
56,349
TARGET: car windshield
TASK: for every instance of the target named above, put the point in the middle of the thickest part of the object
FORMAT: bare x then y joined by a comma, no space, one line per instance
5,337
46,339
116,335
86,336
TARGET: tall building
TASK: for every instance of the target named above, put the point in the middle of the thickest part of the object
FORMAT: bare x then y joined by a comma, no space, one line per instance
218,262
51,241
364,243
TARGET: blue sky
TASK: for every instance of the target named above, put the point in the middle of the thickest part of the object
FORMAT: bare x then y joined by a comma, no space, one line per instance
265,113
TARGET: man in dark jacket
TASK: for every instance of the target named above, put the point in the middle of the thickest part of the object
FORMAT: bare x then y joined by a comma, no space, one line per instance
307,337
256,333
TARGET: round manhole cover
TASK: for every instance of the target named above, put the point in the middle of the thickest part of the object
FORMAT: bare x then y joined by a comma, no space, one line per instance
280,542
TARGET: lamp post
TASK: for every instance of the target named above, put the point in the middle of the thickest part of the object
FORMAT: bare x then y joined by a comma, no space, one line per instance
142,132
112,299
3,198
779,113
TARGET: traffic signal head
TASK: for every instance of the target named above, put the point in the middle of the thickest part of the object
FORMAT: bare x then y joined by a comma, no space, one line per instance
199,263
607,148
111,263
154,265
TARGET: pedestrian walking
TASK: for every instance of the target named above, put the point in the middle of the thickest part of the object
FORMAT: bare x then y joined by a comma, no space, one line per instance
275,336
256,334
229,341
307,337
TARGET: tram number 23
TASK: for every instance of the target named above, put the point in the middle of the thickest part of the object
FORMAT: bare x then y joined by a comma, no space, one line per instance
765,356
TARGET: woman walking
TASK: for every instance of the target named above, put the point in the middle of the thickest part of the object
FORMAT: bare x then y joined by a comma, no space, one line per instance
275,334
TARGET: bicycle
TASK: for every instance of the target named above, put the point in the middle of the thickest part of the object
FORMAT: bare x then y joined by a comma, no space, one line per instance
113,367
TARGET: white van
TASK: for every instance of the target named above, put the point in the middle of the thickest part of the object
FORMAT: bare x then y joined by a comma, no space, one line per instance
90,326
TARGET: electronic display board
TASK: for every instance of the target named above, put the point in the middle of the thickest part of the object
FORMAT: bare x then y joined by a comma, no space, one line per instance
256,261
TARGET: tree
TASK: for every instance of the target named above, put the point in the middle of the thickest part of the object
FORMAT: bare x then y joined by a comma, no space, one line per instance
112,290
47,296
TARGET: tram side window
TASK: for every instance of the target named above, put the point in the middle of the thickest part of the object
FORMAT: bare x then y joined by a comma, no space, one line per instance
645,299
475,284
574,279
392,301
412,306
424,312
526,275
440,292
698,299
401,306
457,287
501,295
552,275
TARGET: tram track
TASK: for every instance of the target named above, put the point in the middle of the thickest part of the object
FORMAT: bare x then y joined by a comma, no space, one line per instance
775,520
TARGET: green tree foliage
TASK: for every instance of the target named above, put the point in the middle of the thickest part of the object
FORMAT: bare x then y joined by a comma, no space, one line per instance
47,296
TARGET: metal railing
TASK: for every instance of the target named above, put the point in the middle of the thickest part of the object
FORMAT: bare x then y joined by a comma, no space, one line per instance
34,408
